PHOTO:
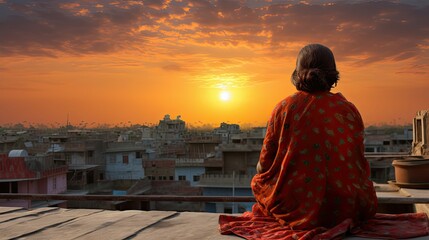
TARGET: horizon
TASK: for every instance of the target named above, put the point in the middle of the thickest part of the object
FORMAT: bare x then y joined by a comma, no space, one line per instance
132,62
202,126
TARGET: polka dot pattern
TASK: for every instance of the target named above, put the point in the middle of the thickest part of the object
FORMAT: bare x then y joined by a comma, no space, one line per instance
314,150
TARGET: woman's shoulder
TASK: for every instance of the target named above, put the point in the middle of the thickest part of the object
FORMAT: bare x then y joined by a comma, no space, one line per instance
289,100
340,98
346,105
304,98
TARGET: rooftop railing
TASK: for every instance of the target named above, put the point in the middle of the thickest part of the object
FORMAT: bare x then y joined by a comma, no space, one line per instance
175,198
47,197
223,180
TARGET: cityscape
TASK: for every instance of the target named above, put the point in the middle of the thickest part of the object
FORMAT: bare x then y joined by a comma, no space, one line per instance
145,119
165,159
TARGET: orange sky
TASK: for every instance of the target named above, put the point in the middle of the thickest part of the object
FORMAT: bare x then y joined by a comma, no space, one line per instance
135,61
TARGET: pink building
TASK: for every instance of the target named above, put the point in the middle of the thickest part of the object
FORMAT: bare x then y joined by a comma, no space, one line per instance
20,173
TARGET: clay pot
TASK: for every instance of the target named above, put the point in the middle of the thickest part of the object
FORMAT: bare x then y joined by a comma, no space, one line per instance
411,171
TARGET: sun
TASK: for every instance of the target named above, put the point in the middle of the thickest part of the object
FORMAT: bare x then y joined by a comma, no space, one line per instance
225,96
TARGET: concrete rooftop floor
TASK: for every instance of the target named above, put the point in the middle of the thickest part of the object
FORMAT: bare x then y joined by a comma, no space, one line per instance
60,223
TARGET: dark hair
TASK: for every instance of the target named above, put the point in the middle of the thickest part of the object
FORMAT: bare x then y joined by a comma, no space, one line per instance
315,69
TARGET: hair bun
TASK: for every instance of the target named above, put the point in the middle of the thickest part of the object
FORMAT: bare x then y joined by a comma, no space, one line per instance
315,69
312,78
312,74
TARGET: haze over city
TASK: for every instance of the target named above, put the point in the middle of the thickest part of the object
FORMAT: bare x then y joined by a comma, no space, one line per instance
208,61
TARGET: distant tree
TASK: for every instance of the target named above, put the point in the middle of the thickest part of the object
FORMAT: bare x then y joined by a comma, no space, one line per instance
18,126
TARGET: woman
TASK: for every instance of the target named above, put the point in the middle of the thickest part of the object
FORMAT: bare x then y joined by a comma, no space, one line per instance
312,169
312,175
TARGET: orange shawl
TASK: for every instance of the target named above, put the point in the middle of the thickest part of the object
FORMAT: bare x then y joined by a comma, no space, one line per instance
315,176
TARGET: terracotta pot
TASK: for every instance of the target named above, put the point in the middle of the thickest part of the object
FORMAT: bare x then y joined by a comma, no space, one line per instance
411,171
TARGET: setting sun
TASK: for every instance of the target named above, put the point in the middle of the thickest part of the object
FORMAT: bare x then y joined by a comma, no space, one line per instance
225,96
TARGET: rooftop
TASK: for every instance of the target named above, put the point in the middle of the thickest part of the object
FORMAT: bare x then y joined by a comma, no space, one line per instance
50,223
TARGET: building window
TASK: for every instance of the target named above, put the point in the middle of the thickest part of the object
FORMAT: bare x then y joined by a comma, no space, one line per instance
90,153
196,178
419,130
8,187
164,178
182,178
138,154
171,178
227,210
125,159
369,149
14,187
159,177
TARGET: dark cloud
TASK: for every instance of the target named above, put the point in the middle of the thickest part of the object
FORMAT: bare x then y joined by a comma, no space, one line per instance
412,72
361,31
373,31
44,29
173,67
20,89
156,4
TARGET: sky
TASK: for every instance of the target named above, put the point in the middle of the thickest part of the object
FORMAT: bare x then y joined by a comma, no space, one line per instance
209,61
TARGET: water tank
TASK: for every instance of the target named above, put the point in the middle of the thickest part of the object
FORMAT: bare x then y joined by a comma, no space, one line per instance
18,153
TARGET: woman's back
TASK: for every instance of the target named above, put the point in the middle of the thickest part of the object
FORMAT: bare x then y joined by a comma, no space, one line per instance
313,179
315,173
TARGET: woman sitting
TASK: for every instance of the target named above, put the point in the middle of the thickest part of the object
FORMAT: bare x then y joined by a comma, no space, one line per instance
312,175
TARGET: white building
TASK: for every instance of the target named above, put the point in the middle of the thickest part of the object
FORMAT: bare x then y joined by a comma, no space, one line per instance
124,160
189,170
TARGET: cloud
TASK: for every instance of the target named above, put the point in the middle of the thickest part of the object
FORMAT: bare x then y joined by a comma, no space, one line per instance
20,89
222,80
416,69
362,32
174,67
47,29
157,4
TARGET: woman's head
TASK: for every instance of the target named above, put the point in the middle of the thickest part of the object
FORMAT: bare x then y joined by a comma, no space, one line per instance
315,69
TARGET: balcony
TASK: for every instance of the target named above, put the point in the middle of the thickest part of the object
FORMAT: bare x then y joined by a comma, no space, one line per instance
231,147
190,162
225,180
199,162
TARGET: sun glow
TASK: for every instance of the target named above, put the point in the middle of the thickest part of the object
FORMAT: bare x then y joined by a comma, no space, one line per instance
225,96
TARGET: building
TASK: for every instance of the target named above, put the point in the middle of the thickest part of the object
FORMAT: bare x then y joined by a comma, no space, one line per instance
190,170
384,141
225,130
20,173
170,130
159,169
124,160
198,148
237,168
421,133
